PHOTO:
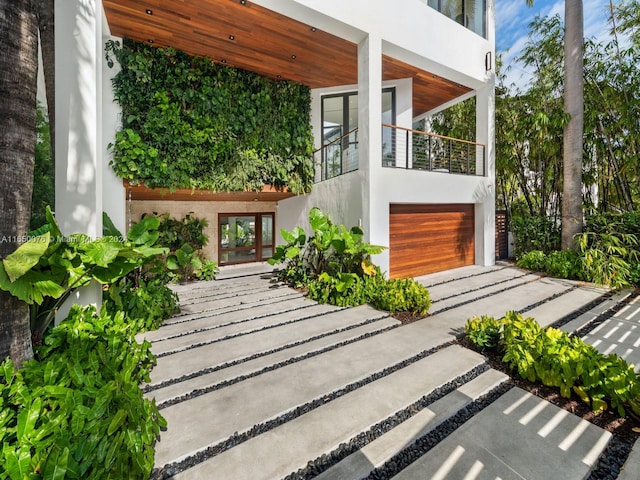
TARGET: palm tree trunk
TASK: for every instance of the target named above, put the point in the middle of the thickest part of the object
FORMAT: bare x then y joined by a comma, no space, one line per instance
18,85
574,106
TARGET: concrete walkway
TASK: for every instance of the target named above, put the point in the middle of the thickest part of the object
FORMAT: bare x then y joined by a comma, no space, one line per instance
257,382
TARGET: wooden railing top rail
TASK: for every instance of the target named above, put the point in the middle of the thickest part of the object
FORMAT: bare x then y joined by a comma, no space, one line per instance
335,141
444,137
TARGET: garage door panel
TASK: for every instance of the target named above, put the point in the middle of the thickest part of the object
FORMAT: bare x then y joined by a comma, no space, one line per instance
430,238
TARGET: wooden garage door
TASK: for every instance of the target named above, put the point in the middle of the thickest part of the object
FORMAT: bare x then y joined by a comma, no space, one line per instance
430,238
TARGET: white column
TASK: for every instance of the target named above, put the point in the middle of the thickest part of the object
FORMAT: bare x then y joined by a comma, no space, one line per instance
114,200
78,142
375,221
486,208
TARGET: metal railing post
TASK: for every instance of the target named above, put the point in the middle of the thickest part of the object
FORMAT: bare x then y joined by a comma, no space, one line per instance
406,150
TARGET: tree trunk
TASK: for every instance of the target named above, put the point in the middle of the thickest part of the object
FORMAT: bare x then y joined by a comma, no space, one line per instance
574,106
18,85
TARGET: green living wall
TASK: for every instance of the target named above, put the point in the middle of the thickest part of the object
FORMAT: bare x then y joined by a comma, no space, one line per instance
188,122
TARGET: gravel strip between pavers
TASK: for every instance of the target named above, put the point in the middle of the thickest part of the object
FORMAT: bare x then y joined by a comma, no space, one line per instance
249,332
167,471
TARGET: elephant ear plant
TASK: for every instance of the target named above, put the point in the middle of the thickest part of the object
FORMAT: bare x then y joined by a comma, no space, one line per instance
49,267
334,265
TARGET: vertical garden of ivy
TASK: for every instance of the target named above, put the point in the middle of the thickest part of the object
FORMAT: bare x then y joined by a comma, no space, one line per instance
188,122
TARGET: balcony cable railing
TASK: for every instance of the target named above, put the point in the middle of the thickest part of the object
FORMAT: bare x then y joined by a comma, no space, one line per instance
404,148
337,157
417,150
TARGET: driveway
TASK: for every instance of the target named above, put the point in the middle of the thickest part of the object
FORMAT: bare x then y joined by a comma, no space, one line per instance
257,382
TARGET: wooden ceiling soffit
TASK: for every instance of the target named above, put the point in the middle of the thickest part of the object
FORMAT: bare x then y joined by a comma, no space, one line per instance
251,37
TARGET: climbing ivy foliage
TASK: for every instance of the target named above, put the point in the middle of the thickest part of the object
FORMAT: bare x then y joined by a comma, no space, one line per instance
188,122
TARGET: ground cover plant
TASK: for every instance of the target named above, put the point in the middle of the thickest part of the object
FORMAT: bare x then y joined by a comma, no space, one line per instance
556,359
76,410
334,265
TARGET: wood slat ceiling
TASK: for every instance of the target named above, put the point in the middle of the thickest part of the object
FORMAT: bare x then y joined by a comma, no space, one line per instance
245,35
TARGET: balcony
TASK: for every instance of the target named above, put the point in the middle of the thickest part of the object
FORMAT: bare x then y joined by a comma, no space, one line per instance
403,148
417,150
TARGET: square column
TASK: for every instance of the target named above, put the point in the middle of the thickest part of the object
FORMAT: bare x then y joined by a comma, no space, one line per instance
485,209
78,139
375,221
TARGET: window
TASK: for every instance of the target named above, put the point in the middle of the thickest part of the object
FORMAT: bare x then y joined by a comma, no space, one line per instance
340,130
245,237
470,13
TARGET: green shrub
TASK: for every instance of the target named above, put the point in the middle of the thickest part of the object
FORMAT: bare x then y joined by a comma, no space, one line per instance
184,239
607,257
145,306
343,290
79,412
563,264
402,295
334,265
483,331
535,233
173,233
45,271
534,260
556,359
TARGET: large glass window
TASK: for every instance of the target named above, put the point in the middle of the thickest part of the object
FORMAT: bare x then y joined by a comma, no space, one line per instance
245,237
339,130
470,13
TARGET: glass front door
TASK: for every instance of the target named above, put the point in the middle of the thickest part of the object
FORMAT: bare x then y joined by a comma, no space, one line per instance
245,237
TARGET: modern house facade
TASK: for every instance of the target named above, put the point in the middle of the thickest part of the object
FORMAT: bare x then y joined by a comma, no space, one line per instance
375,68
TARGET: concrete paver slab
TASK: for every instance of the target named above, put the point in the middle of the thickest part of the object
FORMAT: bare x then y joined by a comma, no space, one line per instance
492,288
554,310
238,407
489,279
519,436
185,362
257,364
252,297
359,464
288,447
207,321
307,312
446,276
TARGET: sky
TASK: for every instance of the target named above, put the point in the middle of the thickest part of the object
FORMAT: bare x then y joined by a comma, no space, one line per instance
514,16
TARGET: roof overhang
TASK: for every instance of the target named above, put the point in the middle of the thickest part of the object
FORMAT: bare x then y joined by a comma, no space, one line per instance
245,35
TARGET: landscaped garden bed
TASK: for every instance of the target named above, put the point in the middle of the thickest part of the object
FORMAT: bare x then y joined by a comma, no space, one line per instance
602,389
334,266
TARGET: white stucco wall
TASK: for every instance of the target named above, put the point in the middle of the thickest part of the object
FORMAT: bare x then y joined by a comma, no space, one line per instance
413,32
